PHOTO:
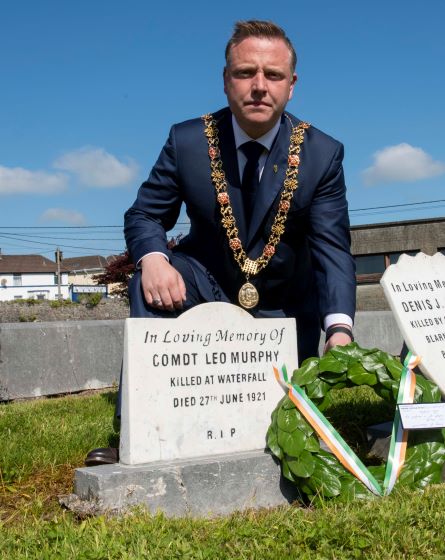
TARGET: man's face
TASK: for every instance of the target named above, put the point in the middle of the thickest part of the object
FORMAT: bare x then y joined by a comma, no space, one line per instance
258,82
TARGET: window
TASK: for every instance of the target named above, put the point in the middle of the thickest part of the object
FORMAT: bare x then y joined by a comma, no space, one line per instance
369,268
370,264
394,257
17,280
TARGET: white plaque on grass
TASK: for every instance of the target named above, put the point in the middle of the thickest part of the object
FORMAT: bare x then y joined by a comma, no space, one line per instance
415,290
201,384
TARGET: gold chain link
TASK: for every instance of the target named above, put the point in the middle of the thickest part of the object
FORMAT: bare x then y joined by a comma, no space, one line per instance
248,266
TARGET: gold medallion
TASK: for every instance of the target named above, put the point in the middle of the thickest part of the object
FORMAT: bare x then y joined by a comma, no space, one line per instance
248,296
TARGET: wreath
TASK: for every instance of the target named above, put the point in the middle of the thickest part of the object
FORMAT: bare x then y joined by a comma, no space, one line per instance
317,472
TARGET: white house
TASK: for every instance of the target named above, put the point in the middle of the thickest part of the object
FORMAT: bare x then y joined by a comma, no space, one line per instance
31,276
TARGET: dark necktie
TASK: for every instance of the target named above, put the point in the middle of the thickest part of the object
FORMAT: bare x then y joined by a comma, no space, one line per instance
251,176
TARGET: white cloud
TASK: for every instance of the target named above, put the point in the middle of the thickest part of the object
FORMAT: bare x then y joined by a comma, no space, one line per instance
17,180
97,168
60,215
401,163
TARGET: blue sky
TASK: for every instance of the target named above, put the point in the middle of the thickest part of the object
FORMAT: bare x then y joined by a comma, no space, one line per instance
89,90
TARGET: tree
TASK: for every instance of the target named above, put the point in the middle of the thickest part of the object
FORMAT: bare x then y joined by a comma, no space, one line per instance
117,272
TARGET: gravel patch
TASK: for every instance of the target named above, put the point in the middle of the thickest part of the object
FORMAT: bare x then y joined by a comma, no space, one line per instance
13,312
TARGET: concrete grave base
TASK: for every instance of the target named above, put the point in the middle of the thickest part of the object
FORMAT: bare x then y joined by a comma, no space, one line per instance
208,486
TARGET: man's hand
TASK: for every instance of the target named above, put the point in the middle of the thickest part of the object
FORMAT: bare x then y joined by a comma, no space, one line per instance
162,284
338,339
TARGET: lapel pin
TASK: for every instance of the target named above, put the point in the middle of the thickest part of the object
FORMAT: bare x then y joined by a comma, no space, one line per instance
275,168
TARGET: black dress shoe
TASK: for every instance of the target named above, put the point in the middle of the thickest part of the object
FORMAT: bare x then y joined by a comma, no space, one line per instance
102,456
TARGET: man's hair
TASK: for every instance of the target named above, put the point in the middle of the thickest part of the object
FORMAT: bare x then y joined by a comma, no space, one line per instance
262,29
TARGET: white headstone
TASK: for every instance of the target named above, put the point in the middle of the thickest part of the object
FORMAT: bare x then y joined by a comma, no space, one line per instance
201,384
415,290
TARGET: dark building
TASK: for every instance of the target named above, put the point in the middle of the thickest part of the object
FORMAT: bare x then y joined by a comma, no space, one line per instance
376,246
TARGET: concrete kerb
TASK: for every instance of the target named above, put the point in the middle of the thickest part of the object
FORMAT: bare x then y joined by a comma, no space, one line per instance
41,359
59,357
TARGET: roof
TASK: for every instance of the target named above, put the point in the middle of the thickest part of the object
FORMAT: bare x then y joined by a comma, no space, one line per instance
90,262
17,264
382,225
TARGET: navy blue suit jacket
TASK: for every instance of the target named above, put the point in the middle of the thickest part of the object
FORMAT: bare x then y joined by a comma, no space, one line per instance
312,272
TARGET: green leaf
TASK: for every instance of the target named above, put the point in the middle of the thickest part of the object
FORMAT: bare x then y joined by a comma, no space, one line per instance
394,367
273,416
325,481
341,354
331,461
312,444
406,476
302,466
395,391
304,486
287,473
371,362
358,375
333,378
330,363
287,403
423,445
433,477
281,403
426,392
356,369
352,488
317,389
421,476
307,373
350,352
272,443
385,379
383,357
292,444
386,394
437,451
378,471
288,420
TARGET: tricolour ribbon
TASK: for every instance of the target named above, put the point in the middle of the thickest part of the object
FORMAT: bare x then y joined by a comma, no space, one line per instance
399,436
338,445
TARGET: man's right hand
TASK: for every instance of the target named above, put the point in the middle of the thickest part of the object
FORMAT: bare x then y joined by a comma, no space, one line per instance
162,284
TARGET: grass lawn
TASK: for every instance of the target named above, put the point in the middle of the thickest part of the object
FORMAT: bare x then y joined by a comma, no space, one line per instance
42,442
